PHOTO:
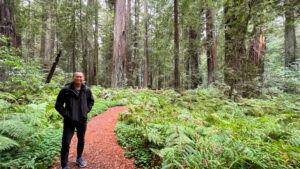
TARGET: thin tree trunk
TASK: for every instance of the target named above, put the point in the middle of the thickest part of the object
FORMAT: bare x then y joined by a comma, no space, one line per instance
176,48
187,71
74,44
52,28
49,77
119,53
83,44
146,59
43,36
129,64
96,45
135,44
28,32
211,45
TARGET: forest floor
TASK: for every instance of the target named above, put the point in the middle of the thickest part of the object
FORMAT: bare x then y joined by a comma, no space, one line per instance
101,149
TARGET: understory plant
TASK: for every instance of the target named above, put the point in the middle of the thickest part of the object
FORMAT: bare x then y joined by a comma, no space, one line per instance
204,129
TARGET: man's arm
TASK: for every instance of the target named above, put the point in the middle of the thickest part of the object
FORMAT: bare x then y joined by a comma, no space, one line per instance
60,101
90,100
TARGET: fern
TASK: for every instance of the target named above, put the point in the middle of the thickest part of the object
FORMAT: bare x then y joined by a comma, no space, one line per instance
8,97
7,143
154,136
15,129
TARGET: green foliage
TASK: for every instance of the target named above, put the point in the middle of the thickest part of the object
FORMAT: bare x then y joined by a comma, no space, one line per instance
39,151
30,134
7,143
203,129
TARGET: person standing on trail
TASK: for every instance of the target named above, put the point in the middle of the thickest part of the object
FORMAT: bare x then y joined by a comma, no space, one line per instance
74,102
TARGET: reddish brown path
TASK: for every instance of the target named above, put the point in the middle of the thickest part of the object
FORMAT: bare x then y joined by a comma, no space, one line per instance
101,149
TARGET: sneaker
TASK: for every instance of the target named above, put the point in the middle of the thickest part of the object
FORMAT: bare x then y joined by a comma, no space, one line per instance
80,162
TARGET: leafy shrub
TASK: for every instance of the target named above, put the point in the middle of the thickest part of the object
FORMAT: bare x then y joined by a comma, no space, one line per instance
203,129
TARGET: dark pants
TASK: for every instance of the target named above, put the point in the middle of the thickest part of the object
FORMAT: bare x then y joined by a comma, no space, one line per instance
68,132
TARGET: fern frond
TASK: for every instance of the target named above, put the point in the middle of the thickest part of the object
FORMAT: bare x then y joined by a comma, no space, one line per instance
154,136
8,97
15,129
7,143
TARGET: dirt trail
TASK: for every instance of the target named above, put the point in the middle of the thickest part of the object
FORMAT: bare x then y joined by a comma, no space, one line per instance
101,149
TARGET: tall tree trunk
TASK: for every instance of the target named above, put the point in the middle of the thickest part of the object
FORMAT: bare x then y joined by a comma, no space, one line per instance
7,23
146,59
45,40
43,36
211,44
129,64
91,41
119,53
52,28
176,48
47,31
83,44
194,62
289,34
74,43
96,45
29,39
237,16
135,44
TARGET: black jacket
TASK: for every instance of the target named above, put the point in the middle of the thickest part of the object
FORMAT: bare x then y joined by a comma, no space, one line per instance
67,96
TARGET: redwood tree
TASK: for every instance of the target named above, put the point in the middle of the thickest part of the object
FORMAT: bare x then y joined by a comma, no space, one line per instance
211,44
237,16
193,56
7,23
289,33
119,45
176,48
146,57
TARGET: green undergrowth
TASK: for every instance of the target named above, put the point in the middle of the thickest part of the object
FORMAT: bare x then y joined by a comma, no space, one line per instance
31,131
204,129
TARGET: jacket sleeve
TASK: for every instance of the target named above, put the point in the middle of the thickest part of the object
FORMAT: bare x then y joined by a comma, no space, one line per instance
90,100
60,101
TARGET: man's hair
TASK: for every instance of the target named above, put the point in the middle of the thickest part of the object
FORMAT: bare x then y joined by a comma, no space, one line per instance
77,72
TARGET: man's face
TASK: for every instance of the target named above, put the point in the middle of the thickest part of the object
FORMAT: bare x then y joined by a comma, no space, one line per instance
78,78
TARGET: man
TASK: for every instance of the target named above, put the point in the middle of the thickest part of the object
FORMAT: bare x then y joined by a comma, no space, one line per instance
74,102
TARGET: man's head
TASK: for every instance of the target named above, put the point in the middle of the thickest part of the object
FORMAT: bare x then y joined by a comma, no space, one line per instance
78,78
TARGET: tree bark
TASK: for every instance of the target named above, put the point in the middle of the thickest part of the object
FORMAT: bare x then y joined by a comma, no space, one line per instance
83,44
194,62
43,36
119,53
146,59
7,23
211,45
289,34
135,44
74,43
29,39
129,63
52,28
96,45
176,48
257,50
49,77
236,24
187,71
